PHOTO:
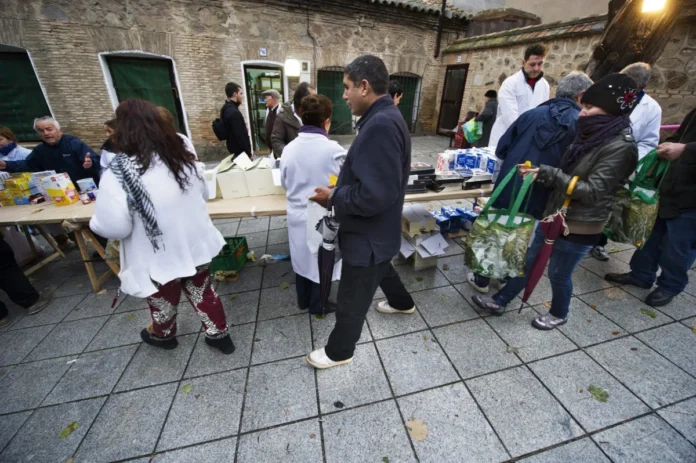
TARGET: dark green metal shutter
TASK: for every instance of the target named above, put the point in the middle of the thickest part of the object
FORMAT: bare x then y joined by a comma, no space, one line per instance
21,98
147,79
330,84
410,84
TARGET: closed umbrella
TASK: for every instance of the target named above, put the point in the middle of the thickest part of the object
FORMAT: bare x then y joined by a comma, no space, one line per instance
328,228
553,226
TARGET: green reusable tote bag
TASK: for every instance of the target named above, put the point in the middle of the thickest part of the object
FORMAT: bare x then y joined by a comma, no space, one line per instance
497,242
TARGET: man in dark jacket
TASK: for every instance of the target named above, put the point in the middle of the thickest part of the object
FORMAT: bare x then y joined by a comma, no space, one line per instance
672,243
62,153
288,122
238,140
368,201
272,98
541,136
487,117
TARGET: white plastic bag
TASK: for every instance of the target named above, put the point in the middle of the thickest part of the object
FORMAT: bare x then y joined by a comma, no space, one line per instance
315,213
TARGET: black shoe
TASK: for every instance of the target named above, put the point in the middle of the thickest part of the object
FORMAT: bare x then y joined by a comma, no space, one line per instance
224,344
487,304
659,298
151,339
623,279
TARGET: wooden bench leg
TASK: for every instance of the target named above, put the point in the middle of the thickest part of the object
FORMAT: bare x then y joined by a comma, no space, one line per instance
50,240
88,263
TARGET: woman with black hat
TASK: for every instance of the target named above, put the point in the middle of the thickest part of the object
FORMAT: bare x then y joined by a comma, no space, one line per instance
602,156
487,117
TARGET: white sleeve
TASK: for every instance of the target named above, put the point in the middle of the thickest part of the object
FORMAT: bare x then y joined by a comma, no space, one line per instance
338,159
188,144
650,136
112,218
508,111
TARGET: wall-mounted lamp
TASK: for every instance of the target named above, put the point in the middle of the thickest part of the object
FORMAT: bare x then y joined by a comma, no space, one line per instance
653,6
292,68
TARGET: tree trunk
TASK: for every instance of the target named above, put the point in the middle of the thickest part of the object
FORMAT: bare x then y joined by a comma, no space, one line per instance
632,36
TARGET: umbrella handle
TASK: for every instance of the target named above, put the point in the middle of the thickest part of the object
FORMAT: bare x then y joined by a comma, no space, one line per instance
569,190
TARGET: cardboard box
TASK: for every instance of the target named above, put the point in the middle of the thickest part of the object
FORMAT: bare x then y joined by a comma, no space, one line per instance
259,181
232,183
7,202
19,184
416,220
61,189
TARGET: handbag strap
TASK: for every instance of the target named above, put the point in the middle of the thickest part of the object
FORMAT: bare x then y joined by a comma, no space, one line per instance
498,190
524,190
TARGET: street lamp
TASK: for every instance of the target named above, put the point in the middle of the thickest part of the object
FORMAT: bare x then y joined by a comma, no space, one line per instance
292,68
653,6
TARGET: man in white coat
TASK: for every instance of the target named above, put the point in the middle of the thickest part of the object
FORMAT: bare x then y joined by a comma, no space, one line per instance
646,118
521,91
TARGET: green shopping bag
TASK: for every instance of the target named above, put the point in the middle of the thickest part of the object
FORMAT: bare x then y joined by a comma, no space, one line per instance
496,246
636,207
472,131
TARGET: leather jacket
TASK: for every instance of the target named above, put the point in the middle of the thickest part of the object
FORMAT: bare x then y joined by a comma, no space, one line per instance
601,173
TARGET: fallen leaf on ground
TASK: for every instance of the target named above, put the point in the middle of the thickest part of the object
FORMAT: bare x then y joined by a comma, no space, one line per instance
69,429
613,249
597,393
319,316
385,459
419,279
130,316
233,297
512,350
339,404
445,267
693,329
581,391
284,285
634,349
79,285
649,313
312,436
102,292
615,333
197,396
547,305
70,460
443,299
417,429
589,321
593,307
186,389
425,338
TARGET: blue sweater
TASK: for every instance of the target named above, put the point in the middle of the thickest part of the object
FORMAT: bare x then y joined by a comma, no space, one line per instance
67,156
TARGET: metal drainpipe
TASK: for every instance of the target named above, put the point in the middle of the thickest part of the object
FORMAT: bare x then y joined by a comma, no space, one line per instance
440,20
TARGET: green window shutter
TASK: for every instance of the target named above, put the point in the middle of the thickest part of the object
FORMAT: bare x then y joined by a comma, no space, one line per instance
330,84
146,79
409,102
21,98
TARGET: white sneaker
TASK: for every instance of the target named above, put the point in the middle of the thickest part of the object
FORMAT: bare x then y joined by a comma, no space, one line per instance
318,359
384,307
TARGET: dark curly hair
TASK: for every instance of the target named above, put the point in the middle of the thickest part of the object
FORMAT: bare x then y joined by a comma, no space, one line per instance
316,109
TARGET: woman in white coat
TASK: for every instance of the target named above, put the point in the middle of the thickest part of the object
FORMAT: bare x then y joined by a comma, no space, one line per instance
307,162
152,199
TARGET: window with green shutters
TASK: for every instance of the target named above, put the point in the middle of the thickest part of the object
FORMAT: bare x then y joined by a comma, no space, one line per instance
21,98
149,79
330,84
411,85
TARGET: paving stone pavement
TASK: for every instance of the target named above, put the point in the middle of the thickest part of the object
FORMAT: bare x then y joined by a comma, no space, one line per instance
615,384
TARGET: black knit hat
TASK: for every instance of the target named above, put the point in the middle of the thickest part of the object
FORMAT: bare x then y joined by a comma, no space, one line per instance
615,93
491,94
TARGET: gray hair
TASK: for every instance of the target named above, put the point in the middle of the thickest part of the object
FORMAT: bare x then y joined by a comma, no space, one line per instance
572,85
640,72
48,119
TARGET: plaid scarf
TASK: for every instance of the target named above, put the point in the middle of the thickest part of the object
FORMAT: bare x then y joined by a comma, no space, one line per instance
128,174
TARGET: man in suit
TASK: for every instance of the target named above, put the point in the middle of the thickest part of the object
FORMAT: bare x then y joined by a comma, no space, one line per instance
368,201
272,106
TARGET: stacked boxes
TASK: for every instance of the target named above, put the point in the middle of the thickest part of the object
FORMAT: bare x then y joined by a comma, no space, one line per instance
470,162
420,241
21,189
61,189
36,178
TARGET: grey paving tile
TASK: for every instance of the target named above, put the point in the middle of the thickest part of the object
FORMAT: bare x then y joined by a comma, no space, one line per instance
474,348
67,338
682,417
278,236
256,242
625,310
419,280
15,314
259,224
321,329
689,322
224,221
599,268
363,381
580,451
370,433
93,374
454,248
278,393
16,344
39,439
453,268
80,284
151,365
532,344
294,443
584,281
213,403
542,293
278,221
645,440
25,386
415,362
280,272
9,425
644,372
241,308
682,306
676,342
624,256
274,249
228,229
128,425
525,415
587,326
691,286
282,338
386,325
249,280
206,359
450,414
213,452
441,306
276,302
48,286
53,313
570,376
94,305
130,303
121,329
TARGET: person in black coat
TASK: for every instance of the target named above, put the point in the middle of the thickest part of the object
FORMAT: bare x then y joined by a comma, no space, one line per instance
368,202
238,140
272,98
487,117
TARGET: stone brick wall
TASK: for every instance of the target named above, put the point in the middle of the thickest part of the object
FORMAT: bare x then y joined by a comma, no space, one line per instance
207,40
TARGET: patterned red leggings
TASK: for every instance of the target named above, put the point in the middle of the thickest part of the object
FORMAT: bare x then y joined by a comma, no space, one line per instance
202,296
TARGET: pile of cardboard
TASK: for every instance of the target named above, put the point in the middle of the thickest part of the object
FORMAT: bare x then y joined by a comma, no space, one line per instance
421,241
243,177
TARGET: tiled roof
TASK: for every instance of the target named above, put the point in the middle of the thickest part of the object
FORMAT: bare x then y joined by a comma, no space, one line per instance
425,6
584,26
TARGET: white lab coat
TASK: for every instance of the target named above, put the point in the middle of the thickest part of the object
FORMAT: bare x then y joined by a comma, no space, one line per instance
515,97
645,121
306,164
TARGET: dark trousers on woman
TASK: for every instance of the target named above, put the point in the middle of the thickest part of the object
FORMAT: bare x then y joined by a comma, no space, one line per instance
308,294
355,294
13,281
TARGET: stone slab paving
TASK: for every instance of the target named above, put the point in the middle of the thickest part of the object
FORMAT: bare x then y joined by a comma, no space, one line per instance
614,384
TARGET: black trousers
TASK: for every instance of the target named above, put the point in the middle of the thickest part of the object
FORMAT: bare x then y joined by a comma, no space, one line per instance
355,294
13,281
308,294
